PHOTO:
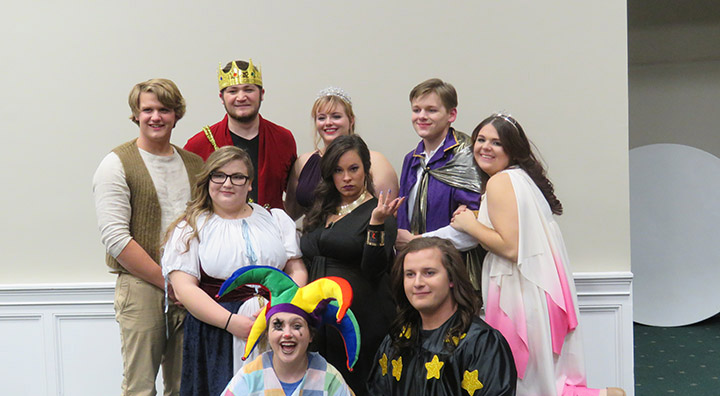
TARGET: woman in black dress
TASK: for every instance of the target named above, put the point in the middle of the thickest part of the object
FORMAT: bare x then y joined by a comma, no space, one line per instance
350,233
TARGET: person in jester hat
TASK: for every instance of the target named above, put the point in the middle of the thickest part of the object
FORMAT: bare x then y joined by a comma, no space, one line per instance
294,314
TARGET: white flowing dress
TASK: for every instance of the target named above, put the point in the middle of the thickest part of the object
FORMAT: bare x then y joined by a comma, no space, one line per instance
533,302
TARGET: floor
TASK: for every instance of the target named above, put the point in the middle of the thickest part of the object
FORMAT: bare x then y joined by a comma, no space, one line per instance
678,360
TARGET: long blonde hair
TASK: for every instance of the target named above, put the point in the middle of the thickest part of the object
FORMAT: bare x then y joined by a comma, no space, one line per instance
202,202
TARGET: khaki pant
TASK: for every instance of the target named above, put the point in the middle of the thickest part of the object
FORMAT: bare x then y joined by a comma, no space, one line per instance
139,310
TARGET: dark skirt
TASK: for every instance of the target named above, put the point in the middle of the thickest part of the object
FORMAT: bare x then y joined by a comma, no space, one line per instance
207,356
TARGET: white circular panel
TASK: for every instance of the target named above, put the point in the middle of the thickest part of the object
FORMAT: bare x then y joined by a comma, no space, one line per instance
675,231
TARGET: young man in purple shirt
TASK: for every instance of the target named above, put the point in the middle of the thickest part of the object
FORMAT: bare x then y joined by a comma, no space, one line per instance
439,175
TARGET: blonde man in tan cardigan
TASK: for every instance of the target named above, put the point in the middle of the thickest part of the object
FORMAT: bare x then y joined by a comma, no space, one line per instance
139,189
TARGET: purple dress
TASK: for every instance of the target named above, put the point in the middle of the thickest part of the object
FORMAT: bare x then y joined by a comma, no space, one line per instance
307,181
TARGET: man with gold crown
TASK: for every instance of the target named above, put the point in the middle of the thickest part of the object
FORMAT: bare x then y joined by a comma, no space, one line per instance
270,146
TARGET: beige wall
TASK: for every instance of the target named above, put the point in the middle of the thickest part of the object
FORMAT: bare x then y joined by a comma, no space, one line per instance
560,67
676,103
674,82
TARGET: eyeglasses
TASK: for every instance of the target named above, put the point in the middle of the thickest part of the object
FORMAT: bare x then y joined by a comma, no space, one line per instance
237,179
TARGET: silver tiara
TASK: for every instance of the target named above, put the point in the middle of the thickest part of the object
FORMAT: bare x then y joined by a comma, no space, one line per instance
335,91
507,117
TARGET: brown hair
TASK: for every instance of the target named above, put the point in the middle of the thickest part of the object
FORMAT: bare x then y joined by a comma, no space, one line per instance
518,148
462,291
446,92
327,197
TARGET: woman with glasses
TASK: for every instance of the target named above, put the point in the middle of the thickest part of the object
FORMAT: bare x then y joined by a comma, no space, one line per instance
219,233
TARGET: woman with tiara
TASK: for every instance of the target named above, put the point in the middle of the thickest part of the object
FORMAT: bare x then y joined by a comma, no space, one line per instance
333,115
349,233
527,283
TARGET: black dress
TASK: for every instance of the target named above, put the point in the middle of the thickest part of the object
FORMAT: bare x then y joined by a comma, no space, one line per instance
341,250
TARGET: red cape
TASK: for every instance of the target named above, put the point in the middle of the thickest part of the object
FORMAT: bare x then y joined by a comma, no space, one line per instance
276,154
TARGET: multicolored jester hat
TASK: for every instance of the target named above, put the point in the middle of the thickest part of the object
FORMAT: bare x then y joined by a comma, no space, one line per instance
324,301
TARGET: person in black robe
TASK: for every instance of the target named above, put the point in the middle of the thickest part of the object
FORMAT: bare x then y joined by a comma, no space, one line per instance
350,234
437,345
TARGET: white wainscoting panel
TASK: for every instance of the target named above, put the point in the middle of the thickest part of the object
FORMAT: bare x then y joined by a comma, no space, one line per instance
70,347
22,355
605,302
86,344
63,339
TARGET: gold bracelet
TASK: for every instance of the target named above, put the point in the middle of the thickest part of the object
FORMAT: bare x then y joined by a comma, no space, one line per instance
375,238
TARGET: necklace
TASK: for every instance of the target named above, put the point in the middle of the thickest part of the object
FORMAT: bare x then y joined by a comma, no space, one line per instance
345,209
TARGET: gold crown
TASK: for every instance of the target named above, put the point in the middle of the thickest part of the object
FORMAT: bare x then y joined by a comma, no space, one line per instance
236,75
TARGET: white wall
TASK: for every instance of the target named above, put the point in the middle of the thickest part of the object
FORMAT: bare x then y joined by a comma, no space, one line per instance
674,82
560,67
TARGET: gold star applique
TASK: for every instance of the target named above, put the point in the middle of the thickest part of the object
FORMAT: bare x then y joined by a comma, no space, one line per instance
433,367
470,382
405,332
383,364
397,368
456,340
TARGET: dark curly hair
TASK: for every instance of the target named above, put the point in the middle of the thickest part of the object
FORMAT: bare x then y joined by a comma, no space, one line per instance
518,148
327,197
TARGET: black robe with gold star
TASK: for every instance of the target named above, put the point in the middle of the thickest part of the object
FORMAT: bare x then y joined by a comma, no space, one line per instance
478,363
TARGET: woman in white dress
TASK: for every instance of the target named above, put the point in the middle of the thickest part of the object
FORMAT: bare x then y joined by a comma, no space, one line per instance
528,289
219,233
